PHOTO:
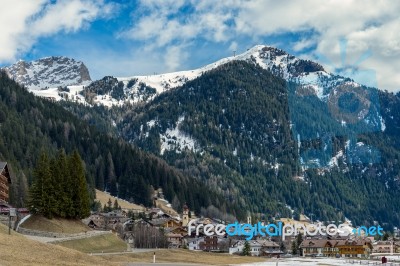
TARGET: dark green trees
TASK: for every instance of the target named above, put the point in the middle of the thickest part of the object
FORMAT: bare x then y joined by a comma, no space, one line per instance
59,188
296,244
246,249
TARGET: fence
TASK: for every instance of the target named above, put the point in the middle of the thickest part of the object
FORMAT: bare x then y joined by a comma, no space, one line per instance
369,262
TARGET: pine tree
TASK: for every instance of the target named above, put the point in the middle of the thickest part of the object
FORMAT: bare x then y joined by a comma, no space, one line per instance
80,195
35,202
115,206
59,188
246,249
299,239
63,178
294,247
42,199
282,247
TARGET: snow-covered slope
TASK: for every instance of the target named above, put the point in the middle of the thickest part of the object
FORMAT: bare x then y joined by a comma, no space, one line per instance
52,72
277,61
49,72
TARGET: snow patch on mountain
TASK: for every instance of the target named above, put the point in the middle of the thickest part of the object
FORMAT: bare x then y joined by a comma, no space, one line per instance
335,159
177,140
55,94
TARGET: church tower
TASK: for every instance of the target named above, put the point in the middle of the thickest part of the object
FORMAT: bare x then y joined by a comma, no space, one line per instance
185,215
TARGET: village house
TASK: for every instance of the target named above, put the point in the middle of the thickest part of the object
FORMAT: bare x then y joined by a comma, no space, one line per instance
210,243
174,240
387,247
105,221
361,248
270,249
319,248
194,243
255,247
5,181
164,222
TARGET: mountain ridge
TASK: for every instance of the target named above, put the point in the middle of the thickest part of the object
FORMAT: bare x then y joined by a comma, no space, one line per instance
52,71
136,89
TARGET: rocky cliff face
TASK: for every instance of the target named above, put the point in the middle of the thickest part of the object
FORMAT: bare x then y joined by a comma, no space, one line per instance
49,72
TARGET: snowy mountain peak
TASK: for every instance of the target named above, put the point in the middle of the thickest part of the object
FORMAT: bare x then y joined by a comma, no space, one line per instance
55,71
51,71
277,61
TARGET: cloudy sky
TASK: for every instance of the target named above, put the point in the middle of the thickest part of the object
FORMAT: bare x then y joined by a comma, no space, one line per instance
125,38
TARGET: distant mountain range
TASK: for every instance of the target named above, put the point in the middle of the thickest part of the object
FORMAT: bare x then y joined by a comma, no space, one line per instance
274,134
44,75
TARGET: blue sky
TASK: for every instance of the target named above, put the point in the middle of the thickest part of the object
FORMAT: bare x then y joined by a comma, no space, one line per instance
125,38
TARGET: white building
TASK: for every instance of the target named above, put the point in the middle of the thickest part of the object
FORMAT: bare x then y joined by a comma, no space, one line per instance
194,243
255,247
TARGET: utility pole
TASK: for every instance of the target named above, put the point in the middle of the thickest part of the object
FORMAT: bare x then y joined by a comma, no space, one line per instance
9,222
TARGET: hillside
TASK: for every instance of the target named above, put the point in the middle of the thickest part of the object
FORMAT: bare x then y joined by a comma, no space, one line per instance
19,250
263,132
103,197
96,244
30,125
233,129
56,225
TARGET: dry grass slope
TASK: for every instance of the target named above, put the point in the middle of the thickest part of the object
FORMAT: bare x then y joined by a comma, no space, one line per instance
185,256
97,244
103,198
15,249
56,225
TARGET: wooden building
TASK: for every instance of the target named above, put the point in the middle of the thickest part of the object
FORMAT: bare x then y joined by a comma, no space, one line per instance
360,248
5,181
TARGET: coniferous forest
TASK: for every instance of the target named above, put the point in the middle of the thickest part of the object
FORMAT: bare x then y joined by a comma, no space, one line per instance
30,125
59,187
246,160
238,114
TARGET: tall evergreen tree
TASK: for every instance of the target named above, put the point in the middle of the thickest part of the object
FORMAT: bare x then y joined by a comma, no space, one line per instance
42,199
35,202
80,196
246,249
62,171
59,188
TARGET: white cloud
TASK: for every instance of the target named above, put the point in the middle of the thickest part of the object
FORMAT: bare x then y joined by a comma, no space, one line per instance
174,56
234,46
303,44
23,22
367,24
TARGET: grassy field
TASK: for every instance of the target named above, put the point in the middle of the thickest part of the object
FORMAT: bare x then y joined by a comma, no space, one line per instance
96,244
55,225
16,249
183,256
